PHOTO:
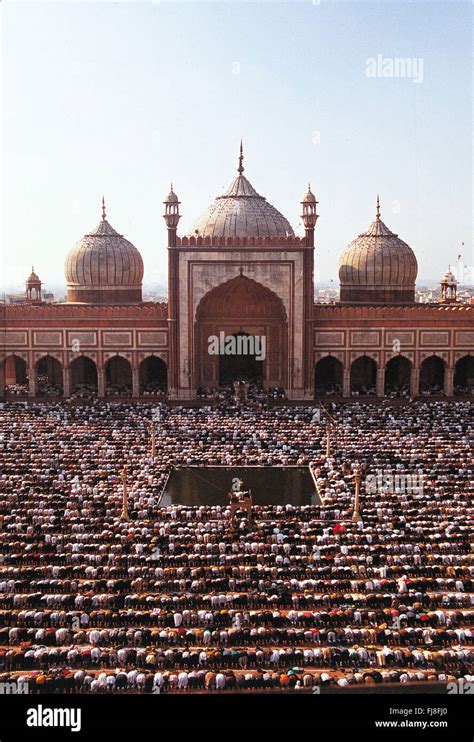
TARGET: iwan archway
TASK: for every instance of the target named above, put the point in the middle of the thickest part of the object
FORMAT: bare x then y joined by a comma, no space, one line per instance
255,318
242,359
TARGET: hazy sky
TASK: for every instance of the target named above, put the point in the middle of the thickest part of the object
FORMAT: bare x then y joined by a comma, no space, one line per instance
121,98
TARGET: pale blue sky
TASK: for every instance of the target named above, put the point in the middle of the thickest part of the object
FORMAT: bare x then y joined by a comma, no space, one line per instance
121,98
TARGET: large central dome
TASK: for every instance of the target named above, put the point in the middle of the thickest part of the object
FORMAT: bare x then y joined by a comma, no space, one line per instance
241,212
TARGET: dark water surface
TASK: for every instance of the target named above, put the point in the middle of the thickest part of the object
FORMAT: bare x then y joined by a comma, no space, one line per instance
270,485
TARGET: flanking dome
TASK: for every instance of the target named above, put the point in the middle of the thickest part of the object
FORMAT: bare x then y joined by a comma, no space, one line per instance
378,267
241,212
104,268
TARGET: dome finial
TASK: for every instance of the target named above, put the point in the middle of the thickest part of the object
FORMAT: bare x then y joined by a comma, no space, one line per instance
377,214
241,168
103,209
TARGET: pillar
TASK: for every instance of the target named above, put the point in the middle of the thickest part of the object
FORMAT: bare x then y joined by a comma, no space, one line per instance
124,513
135,382
346,382
380,386
32,382
2,381
356,512
101,382
10,370
448,381
173,316
308,302
414,381
66,381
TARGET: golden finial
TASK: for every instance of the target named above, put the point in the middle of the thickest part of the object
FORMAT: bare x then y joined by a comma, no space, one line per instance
241,168
378,207
103,209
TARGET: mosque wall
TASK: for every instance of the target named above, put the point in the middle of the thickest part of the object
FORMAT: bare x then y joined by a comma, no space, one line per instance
65,332
415,332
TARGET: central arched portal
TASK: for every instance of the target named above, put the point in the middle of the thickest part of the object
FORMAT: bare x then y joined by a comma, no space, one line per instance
241,366
241,333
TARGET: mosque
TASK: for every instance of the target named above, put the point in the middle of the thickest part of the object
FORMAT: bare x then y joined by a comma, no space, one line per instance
243,272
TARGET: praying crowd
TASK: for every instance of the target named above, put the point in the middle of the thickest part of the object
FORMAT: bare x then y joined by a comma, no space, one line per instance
179,598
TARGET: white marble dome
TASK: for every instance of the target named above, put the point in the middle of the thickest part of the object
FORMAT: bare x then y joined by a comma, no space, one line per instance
378,267
104,267
241,212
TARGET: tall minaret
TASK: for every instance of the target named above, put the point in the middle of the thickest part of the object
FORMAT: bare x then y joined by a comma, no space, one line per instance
309,217
172,217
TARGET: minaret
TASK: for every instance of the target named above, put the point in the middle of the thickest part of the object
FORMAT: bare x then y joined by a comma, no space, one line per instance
309,215
172,217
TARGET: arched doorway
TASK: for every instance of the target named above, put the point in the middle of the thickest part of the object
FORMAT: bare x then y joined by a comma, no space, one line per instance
153,376
118,377
432,375
464,375
363,376
328,376
397,376
240,317
242,363
49,377
83,373
16,375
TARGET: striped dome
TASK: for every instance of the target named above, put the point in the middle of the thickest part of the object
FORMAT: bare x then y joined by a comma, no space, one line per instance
378,267
241,212
104,267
